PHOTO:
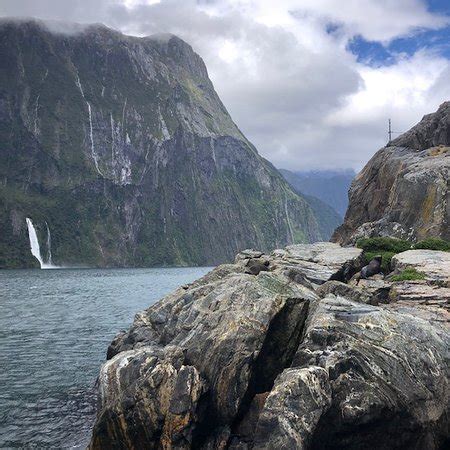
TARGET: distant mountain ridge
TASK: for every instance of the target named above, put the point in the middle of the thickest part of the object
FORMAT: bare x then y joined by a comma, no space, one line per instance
330,186
121,149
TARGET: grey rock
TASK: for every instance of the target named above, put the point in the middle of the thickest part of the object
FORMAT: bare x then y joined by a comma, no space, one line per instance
388,376
403,191
321,261
430,302
156,378
368,291
248,254
293,409
434,264
271,360
236,329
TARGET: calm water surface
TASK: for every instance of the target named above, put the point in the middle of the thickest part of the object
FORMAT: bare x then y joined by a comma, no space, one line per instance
55,326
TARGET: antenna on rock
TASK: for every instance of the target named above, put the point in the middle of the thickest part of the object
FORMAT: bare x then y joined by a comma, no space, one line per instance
390,132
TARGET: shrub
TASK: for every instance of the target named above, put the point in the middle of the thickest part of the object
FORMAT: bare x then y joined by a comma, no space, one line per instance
408,274
433,244
380,244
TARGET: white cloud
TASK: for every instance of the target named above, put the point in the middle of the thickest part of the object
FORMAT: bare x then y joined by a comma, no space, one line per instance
292,87
403,90
375,20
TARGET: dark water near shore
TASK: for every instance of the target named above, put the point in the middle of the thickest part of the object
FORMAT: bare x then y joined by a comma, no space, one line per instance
55,326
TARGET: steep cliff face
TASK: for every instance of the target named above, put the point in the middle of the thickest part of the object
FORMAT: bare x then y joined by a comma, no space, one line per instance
122,148
403,191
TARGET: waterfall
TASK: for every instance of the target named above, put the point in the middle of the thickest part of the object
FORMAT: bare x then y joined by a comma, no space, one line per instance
49,245
288,220
34,242
91,133
35,248
91,130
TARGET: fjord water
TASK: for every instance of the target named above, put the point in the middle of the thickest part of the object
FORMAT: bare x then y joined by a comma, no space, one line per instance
55,326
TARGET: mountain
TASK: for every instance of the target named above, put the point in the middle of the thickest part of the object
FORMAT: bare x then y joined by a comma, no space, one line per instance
403,191
330,186
120,153
327,218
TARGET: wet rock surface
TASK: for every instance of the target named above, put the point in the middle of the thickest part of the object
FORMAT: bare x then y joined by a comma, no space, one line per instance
278,352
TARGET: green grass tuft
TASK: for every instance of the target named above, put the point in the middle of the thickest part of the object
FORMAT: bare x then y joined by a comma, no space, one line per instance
408,274
383,244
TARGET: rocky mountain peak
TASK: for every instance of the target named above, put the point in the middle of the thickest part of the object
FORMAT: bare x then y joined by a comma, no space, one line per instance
403,191
433,130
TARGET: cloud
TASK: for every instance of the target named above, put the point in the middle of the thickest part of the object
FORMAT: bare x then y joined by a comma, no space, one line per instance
283,69
375,20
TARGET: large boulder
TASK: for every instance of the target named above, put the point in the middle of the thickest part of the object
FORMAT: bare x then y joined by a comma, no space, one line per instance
403,190
387,373
229,334
319,262
428,298
267,354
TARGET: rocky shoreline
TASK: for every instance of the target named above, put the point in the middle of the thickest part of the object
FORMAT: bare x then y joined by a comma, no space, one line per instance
285,351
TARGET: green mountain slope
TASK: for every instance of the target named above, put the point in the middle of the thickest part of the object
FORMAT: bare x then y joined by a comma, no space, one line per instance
122,148
330,186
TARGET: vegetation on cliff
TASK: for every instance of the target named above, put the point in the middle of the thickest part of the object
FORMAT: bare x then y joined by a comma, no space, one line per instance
122,147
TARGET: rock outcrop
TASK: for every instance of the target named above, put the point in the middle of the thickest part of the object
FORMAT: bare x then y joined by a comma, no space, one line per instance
433,264
121,147
279,352
403,191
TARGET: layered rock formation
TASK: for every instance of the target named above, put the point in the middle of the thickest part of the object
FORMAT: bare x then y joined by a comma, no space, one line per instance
121,148
279,352
403,191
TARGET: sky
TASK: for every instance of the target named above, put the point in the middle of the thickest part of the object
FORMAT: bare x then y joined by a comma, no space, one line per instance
311,83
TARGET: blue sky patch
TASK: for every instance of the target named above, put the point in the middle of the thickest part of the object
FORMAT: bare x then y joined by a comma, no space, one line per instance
376,54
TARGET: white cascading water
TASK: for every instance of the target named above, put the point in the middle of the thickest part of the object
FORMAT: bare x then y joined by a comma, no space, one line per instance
49,245
91,129
35,248
91,134
34,242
